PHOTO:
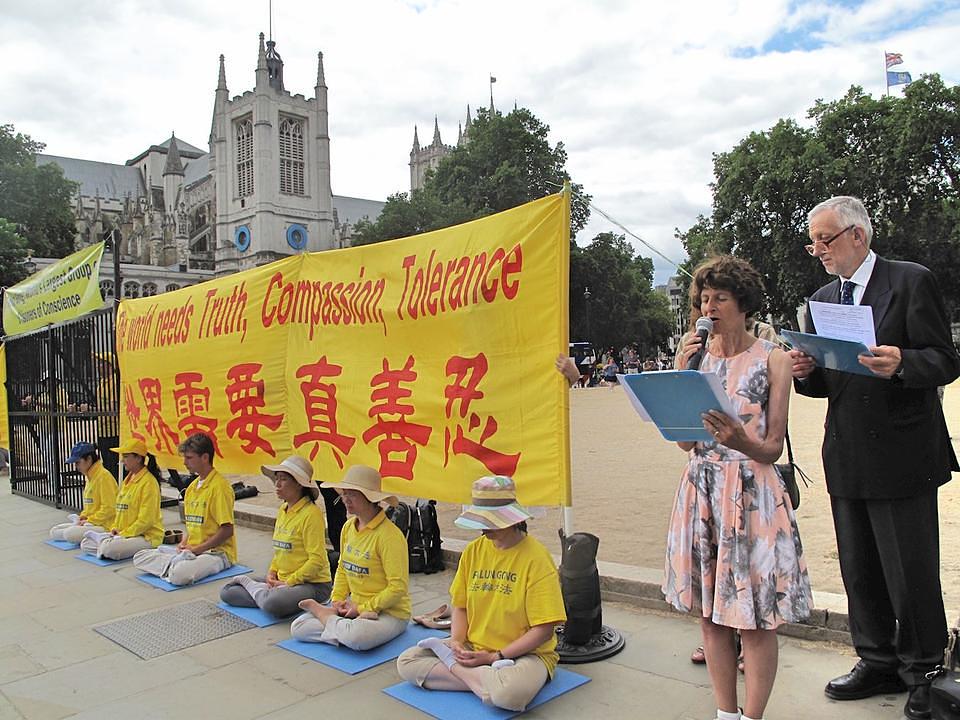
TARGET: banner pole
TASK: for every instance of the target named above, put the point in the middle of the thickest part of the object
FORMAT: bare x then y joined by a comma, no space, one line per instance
565,334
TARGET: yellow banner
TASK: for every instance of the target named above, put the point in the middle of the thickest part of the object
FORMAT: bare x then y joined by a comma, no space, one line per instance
430,358
67,289
4,421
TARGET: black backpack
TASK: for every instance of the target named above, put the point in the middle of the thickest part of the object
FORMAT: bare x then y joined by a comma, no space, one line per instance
419,526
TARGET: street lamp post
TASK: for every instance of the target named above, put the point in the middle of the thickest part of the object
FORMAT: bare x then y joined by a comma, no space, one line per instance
586,307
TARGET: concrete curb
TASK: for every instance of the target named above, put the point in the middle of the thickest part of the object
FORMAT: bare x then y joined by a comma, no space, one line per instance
636,586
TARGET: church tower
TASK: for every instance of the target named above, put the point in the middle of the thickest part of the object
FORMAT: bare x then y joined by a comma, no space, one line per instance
270,162
427,157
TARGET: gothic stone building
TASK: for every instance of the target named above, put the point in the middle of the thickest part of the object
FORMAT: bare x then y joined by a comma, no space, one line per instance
259,193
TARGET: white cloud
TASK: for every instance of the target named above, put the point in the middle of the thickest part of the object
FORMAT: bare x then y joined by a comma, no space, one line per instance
641,94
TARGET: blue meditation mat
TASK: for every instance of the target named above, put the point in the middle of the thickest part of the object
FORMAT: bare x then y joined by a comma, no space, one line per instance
102,562
169,587
447,705
62,544
355,661
255,615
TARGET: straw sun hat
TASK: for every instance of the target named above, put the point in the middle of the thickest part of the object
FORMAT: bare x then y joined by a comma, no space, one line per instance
299,469
494,505
365,480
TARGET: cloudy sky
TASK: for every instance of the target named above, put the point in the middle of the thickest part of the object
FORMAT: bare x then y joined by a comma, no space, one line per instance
641,93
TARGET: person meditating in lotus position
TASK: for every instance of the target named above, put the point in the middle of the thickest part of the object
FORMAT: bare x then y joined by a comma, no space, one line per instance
506,603
371,598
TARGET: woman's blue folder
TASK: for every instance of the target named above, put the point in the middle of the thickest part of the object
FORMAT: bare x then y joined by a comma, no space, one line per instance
675,401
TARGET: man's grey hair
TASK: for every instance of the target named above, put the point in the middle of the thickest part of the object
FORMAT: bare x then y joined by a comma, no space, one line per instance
850,210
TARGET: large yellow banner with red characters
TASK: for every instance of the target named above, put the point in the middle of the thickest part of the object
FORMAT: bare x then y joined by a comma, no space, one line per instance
430,358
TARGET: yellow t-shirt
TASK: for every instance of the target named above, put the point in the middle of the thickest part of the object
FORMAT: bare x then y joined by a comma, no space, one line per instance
138,507
374,568
206,508
100,497
299,549
507,592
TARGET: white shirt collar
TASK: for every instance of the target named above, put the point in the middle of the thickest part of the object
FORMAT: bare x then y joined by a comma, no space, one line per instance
862,275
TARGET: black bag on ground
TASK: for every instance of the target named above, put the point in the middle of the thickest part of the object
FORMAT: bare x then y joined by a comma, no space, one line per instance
580,584
945,681
419,525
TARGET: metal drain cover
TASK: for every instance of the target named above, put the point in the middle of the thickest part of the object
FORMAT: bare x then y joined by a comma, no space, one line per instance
172,628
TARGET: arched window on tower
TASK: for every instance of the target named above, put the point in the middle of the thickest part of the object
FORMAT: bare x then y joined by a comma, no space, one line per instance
172,286
106,288
291,156
149,289
245,157
131,289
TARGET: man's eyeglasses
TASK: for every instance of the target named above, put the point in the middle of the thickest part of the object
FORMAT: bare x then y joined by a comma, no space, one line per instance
812,247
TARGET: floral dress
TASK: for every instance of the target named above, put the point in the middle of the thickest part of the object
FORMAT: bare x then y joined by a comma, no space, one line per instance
733,549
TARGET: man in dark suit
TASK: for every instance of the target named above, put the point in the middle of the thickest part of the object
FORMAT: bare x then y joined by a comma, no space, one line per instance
886,451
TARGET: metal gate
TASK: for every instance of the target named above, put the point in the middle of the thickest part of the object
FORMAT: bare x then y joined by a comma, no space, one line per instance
63,387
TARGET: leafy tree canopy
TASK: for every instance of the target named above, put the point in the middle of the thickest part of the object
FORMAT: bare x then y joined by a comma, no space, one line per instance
508,161
36,199
13,252
901,156
623,307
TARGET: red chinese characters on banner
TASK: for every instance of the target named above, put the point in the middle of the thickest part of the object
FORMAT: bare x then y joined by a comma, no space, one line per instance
132,411
462,391
164,438
245,396
398,448
320,407
192,402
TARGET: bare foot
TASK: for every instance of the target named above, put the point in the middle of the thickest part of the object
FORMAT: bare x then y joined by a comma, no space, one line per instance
321,612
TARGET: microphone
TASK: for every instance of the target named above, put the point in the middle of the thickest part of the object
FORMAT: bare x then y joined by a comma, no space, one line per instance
703,329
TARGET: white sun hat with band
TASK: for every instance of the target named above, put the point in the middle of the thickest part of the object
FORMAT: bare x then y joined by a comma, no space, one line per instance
299,468
494,505
365,480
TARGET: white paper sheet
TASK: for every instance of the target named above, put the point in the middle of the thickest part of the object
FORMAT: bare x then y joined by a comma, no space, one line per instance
844,322
634,400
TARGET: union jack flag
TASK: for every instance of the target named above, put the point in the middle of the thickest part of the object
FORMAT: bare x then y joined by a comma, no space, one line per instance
893,59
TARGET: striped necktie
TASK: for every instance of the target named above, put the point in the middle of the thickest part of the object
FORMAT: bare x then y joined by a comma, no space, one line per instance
846,292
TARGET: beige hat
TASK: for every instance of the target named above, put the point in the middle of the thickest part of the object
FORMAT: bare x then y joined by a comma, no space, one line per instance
299,469
366,480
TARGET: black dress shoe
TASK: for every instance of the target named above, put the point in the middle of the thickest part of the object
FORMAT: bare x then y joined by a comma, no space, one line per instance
918,704
864,681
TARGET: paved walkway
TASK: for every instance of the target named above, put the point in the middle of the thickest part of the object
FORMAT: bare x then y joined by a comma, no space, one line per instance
53,665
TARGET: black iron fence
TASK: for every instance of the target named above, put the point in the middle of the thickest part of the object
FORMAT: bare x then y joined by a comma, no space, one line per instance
63,387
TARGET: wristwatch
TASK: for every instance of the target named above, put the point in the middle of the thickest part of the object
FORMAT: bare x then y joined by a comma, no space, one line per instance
500,655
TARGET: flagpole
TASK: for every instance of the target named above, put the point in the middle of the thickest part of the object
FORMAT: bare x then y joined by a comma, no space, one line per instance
886,78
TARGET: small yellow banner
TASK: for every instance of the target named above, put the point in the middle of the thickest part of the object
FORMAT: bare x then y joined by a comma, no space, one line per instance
67,289
430,358
4,419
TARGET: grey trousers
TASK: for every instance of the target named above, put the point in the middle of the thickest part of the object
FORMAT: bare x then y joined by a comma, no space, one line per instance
279,601
180,568
116,547
356,633
71,532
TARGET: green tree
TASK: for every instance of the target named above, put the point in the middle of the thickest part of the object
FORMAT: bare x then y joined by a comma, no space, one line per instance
623,307
37,199
508,161
901,156
404,215
13,253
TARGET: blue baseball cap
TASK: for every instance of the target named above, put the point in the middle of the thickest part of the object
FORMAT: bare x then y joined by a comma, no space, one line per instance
81,449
